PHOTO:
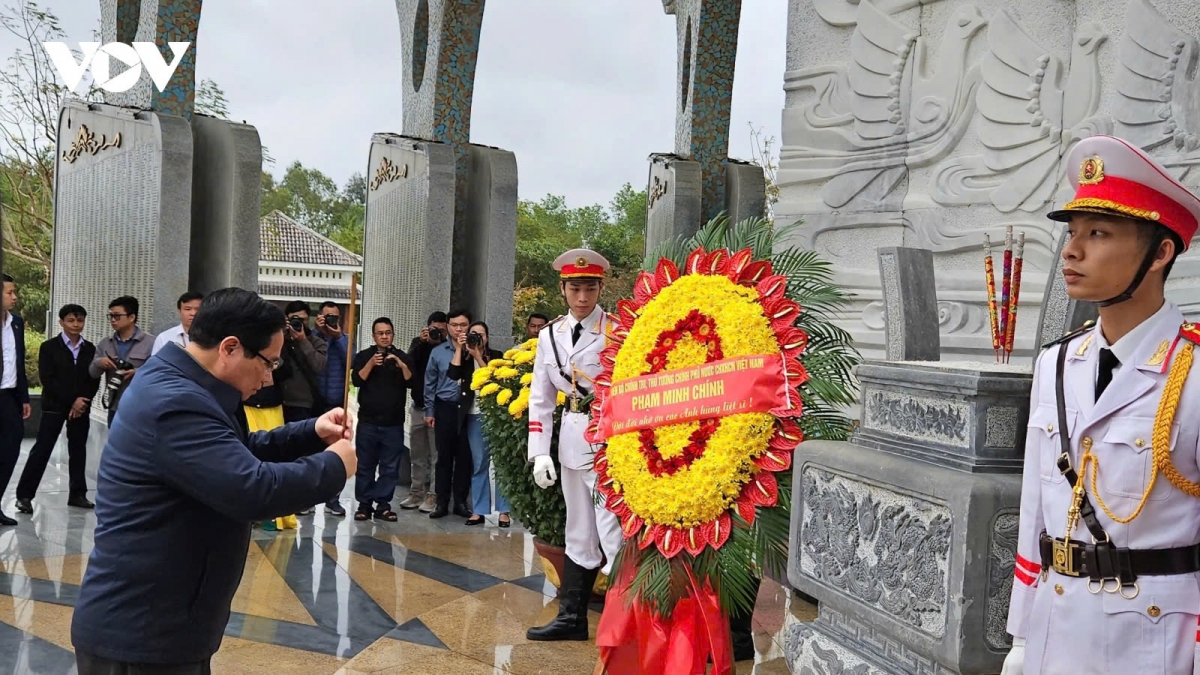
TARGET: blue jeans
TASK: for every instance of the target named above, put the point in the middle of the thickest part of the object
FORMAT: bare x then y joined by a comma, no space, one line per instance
379,448
481,460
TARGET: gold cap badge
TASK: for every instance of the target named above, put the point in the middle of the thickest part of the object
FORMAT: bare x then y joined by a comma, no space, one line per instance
1091,171
581,261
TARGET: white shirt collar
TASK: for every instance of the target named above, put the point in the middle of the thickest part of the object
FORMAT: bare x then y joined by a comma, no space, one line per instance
1127,347
589,322
8,320
67,341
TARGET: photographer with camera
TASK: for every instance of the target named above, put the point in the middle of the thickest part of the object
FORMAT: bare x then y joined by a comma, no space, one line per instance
422,444
471,352
306,353
119,355
382,374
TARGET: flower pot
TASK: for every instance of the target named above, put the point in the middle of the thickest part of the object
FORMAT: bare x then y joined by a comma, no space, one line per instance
553,558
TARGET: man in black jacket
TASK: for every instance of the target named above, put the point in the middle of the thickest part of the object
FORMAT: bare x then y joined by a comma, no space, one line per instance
381,374
67,391
14,387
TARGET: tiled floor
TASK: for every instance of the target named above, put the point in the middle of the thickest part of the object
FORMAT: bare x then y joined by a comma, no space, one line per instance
336,596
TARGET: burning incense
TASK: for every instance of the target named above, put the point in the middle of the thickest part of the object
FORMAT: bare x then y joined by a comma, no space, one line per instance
990,273
1011,329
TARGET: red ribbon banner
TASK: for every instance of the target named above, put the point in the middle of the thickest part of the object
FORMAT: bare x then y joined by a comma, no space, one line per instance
733,386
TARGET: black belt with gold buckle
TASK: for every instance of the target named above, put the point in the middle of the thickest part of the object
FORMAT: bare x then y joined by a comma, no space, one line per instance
576,405
1103,561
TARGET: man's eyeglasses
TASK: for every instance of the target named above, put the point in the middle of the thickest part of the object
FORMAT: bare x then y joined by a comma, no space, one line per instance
271,365
114,317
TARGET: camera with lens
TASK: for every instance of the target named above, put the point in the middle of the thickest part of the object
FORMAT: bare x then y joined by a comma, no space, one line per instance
115,383
474,340
435,335
332,320
297,323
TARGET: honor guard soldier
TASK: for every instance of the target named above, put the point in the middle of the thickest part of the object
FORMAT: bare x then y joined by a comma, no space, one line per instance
567,361
1107,555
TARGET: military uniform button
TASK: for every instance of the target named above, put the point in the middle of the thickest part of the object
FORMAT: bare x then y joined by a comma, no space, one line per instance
1153,611
1140,443
1087,442
1058,589
1049,428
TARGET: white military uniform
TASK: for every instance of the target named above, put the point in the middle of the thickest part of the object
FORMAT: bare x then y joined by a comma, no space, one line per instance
1069,629
1070,623
590,526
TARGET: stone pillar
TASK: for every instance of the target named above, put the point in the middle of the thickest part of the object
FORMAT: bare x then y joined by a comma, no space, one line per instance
929,123
123,207
907,534
409,230
440,47
226,199
910,304
745,190
161,22
672,200
706,36
490,253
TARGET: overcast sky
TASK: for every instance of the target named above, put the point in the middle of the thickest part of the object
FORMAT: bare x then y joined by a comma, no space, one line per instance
581,90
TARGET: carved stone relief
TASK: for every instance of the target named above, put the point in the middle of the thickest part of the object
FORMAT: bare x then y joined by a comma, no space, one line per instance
889,550
918,417
1001,558
938,121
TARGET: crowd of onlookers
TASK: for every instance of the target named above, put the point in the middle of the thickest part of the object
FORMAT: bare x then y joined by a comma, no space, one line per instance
418,420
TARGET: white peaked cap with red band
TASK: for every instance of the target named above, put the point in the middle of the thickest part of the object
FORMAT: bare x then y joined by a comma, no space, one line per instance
1113,176
581,263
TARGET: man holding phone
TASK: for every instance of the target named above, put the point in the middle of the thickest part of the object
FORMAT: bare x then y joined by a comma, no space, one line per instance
382,374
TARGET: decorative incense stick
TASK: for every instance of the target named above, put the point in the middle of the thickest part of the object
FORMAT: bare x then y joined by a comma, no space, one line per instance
989,271
1005,282
1014,294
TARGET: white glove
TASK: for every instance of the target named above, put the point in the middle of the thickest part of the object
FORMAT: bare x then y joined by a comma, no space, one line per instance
543,471
1014,663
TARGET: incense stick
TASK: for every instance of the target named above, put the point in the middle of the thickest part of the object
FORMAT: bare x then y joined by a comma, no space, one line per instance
1006,282
989,271
1014,294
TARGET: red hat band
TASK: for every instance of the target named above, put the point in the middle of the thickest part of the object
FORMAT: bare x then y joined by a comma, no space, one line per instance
1135,200
582,271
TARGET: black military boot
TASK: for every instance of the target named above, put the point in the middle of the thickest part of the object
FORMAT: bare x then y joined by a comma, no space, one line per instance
571,622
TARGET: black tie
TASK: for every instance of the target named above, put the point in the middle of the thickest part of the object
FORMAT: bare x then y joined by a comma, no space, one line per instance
1108,361
575,333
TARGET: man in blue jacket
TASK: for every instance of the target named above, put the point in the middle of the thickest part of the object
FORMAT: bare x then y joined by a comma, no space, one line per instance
179,483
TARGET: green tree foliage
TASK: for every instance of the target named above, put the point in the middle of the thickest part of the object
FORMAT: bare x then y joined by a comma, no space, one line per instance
314,200
547,228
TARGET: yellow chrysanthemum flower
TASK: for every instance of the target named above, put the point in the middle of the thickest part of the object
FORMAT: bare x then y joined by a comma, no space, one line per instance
489,389
507,373
527,379
504,397
562,398
530,344
702,491
524,357
510,353
480,377
499,363
518,407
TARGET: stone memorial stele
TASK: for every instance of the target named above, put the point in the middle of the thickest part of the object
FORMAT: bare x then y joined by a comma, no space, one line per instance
698,180
909,303
429,188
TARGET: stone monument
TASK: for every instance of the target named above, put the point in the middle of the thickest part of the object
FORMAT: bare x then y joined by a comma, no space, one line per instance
909,303
930,123
698,181
907,533
435,195
151,200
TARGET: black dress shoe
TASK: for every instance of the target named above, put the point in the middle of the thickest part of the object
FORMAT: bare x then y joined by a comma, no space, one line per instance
79,501
24,505
462,511
440,512
5,520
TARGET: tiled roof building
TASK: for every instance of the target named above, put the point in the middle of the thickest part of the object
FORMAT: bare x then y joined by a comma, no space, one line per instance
296,263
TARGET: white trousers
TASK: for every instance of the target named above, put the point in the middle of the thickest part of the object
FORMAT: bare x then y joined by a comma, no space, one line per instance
591,528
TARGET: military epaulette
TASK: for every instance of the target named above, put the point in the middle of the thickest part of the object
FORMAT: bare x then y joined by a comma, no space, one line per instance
1190,332
1087,325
